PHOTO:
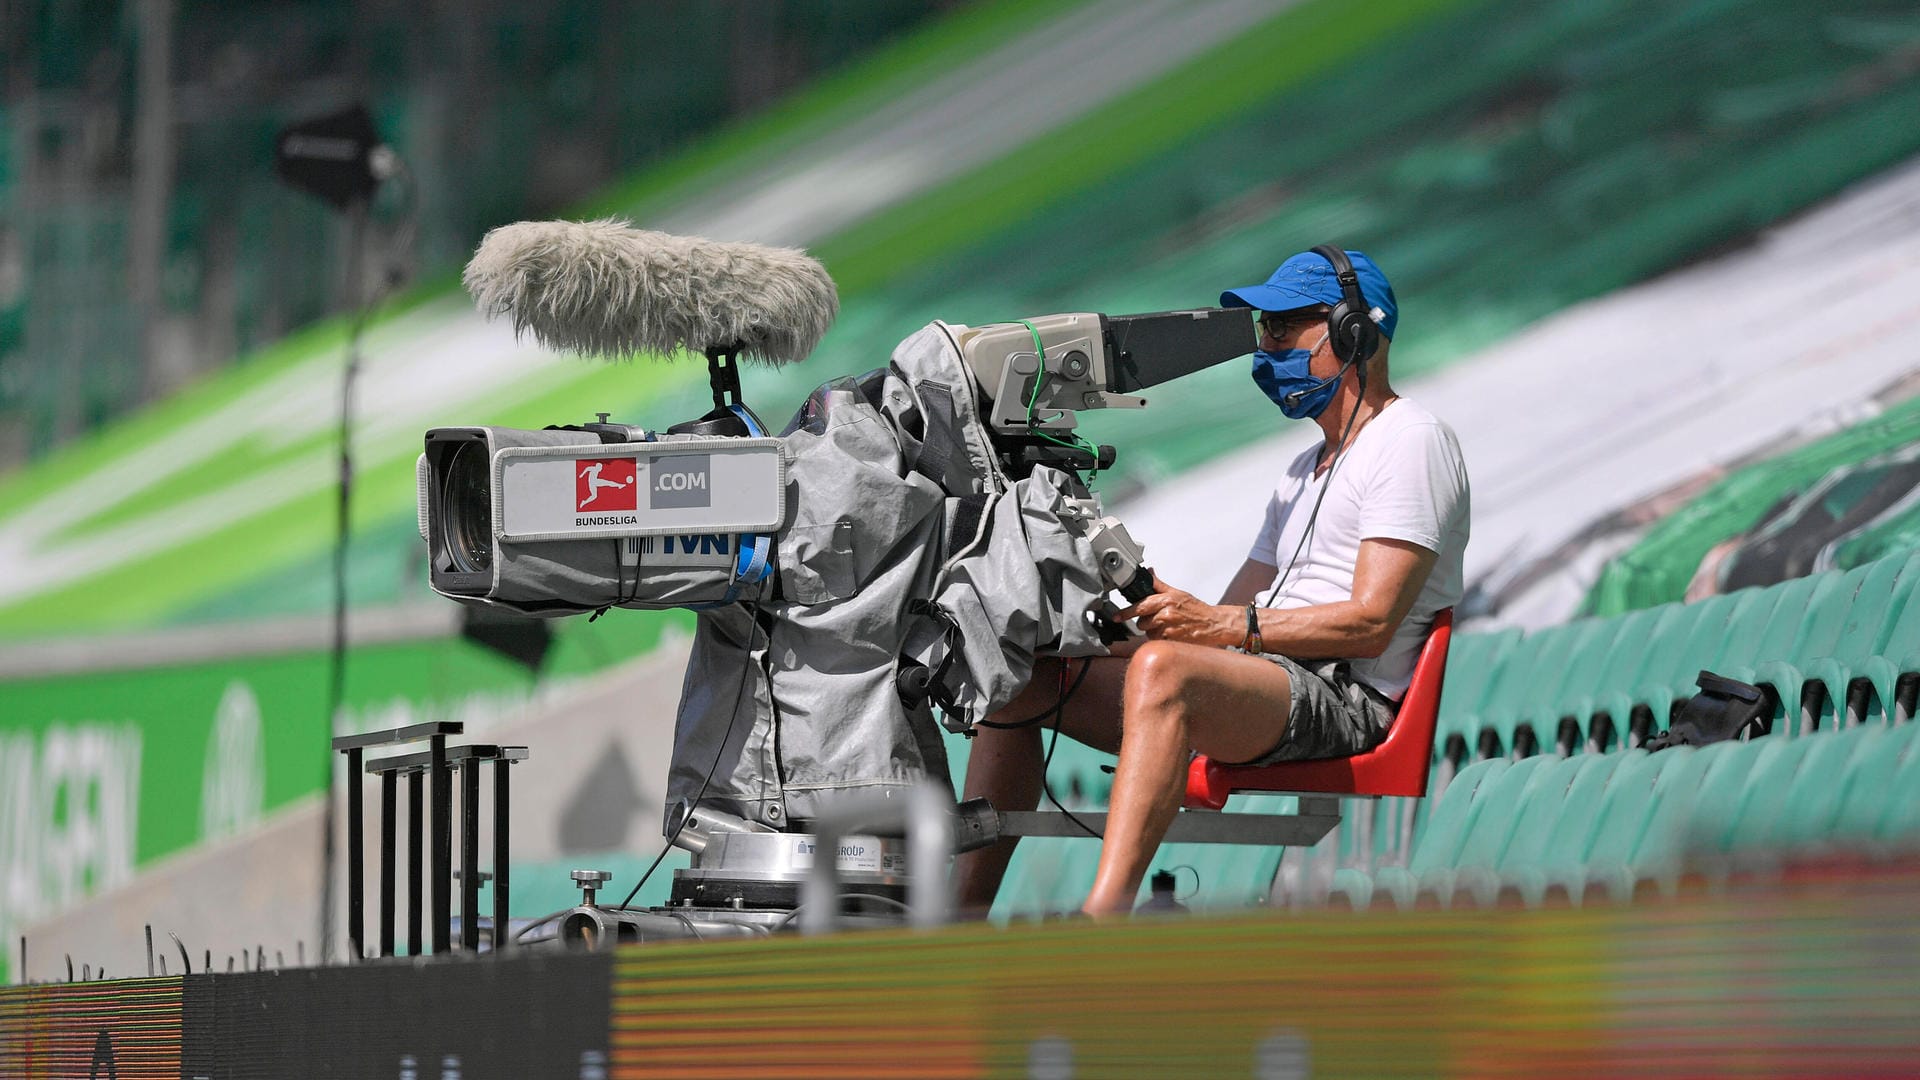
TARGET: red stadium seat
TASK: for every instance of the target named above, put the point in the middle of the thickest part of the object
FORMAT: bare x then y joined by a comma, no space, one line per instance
1398,766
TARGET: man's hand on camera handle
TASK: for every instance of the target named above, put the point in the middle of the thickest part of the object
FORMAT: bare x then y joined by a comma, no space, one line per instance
1172,614
1386,580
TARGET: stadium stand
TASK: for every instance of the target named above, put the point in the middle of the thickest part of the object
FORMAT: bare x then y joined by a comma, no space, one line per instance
1832,647
1658,567
1601,817
1838,646
1570,830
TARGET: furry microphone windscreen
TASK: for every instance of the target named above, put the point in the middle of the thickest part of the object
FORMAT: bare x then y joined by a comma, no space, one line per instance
604,288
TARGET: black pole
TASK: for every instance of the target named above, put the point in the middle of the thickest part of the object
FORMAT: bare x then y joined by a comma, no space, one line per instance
442,782
343,527
470,854
356,859
389,808
500,862
416,860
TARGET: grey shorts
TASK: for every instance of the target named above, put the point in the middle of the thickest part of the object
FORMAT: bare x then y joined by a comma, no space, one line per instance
1332,714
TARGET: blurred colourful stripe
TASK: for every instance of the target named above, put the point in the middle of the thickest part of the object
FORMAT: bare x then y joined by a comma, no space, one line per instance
53,1030
1806,975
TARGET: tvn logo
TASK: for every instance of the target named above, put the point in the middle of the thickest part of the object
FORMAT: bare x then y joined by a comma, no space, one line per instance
683,480
707,549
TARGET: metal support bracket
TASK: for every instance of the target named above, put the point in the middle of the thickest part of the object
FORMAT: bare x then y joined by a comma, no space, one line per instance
354,748
1317,817
440,762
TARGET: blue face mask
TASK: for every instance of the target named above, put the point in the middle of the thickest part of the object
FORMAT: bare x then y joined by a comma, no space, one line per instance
1282,374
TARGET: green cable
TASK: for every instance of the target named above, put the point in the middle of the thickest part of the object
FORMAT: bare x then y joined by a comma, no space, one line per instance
1033,400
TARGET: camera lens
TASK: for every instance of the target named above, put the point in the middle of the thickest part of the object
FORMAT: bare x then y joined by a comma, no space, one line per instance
467,503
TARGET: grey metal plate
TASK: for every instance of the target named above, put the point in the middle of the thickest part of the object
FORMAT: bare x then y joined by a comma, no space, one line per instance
1192,826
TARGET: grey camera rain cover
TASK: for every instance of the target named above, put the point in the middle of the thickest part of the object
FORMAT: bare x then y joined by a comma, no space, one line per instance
906,542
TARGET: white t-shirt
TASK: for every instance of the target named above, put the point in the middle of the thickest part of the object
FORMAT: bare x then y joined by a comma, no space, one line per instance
1402,479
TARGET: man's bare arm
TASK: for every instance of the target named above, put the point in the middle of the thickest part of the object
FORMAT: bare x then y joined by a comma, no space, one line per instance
1247,582
1386,581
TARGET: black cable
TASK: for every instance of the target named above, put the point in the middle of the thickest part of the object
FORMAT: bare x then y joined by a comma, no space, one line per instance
1339,451
1053,711
795,913
1047,789
538,923
1066,693
1057,714
694,805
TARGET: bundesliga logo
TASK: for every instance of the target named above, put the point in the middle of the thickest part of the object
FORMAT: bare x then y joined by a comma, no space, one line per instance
603,484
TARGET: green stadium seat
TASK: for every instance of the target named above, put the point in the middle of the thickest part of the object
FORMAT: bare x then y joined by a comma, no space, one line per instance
1615,855
1774,635
1474,665
1870,780
1878,601
1697,799
1806,622
1532,816
1905,586
1691,642
1596,685
1900,819
1623,694
1893,671
1548,859
1812,804
1486,839
1352,888
1747,620
1776,789
1857,595
1622,805
1722,816
1446,831
1537,651
1540,803
1531,690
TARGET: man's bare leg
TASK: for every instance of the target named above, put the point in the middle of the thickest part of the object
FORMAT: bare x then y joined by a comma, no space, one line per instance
1178,698
1005,766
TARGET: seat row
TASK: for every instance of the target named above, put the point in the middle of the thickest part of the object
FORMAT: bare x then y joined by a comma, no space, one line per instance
1836,648
1545,829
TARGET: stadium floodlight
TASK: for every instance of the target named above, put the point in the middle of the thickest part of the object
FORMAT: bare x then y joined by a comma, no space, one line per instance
338,157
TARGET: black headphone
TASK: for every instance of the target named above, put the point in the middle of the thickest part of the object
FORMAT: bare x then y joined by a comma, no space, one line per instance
1350,327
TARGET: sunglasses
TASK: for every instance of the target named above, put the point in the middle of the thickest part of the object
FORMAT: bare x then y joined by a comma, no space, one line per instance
1279,326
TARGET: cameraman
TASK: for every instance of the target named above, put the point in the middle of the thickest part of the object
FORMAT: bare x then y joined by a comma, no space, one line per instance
1370,526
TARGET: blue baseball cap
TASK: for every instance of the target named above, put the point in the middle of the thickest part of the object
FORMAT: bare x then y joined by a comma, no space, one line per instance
1307,280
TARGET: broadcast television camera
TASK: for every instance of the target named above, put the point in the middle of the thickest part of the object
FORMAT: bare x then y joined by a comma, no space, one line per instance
582,517
914,537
